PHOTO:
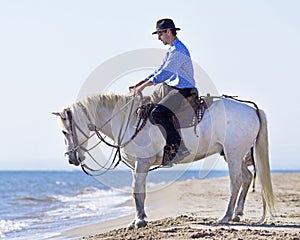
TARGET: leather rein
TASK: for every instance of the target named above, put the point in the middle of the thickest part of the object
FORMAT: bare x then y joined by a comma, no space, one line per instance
142,120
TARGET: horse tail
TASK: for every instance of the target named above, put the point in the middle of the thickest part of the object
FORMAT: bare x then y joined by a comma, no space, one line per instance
263,166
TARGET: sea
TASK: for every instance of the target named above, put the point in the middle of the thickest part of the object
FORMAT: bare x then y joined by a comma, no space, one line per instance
42,204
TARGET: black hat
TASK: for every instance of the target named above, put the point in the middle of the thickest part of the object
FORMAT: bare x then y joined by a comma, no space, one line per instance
165,24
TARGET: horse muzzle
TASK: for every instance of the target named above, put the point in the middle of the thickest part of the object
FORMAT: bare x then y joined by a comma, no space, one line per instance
74,157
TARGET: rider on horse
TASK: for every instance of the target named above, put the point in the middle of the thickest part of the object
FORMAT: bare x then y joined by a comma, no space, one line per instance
177,73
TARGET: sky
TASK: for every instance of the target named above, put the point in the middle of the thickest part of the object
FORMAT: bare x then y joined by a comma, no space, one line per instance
48,49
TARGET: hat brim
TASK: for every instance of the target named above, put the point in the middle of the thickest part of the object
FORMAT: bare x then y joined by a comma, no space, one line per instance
177,29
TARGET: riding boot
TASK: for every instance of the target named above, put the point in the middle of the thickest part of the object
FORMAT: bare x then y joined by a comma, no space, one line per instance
174,153
182,152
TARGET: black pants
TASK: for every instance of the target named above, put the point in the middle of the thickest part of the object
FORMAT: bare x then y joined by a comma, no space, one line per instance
162,113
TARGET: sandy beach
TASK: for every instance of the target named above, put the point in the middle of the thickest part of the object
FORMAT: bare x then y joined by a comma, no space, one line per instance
191,209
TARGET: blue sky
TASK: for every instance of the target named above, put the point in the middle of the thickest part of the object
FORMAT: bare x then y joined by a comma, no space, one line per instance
49,48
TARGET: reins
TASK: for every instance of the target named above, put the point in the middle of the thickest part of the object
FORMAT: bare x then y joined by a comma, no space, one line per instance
96,131
142,120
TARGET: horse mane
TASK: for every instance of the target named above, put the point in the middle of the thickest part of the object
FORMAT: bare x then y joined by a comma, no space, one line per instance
111,101
107,100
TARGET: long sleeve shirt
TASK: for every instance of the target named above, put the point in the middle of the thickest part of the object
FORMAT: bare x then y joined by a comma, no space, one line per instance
176,69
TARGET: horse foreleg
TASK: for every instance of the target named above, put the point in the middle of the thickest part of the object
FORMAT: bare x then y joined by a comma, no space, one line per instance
235,175
139,194
247,178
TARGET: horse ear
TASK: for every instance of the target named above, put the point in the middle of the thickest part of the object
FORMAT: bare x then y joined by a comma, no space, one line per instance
58,114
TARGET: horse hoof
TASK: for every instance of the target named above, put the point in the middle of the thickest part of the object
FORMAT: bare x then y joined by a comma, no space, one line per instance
131,225
141,223
236,219
224,220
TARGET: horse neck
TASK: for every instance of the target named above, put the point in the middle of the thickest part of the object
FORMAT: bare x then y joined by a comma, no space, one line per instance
107,113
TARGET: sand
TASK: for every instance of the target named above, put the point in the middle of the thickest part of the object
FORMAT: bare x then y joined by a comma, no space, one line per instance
191,209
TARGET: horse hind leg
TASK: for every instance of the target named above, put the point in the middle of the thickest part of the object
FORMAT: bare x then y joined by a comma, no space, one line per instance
247,178
235,175
249,160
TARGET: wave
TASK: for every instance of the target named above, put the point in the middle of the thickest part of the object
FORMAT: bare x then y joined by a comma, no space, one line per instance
92,194
88,202
43,214
7,226
46,199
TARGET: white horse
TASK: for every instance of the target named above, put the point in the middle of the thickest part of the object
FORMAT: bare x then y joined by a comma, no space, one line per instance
228,127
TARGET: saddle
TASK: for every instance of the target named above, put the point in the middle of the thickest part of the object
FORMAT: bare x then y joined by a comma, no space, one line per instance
189,113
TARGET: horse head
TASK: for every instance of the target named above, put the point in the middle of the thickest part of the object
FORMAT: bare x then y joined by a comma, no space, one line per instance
75,135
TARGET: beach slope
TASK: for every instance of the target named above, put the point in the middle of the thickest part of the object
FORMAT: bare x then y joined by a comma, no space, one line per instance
190,210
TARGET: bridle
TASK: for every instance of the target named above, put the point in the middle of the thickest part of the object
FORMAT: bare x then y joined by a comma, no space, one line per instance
96,131
74,126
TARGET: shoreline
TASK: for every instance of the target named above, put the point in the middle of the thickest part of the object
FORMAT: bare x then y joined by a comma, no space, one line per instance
200,201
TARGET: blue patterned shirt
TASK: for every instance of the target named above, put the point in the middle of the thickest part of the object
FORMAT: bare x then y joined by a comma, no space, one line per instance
176,69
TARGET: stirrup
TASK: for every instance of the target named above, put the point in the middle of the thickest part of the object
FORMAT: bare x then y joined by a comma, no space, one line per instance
169,155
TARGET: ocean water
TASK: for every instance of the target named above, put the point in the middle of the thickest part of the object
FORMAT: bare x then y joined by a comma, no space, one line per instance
41,204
